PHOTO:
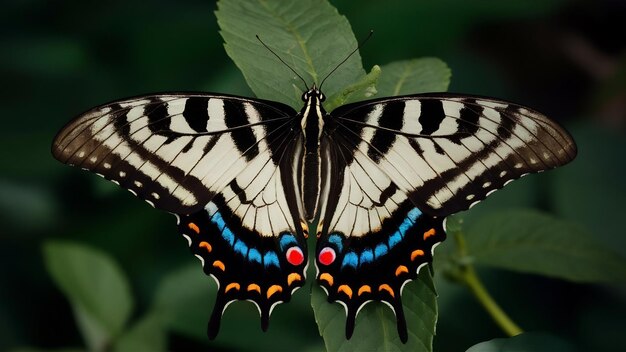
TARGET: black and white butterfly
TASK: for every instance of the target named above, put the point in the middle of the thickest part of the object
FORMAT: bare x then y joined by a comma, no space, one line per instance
249,180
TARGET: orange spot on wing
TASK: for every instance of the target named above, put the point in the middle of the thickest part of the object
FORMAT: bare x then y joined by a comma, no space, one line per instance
206,245
416,253
254,287
232,285
385,287
401,269
273,289
328,278
429,233
293,277
194,227
219,264
345,289
364,288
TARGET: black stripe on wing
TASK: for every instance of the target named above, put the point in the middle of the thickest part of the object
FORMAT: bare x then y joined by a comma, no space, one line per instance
153,145
452,150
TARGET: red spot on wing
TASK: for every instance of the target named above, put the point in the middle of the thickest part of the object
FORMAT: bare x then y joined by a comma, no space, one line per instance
295,256
327,256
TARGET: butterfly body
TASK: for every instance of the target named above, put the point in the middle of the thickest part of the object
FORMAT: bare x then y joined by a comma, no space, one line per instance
249,179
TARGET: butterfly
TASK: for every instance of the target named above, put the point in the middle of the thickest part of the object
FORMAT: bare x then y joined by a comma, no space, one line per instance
249,180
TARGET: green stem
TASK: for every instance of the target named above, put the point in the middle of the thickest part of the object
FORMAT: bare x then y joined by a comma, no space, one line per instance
467,275
497,314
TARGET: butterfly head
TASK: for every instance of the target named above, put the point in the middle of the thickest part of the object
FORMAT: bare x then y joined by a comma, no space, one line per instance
313,92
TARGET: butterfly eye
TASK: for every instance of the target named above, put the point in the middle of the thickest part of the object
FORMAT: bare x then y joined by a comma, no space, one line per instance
305,96
327,256
322,96
295,256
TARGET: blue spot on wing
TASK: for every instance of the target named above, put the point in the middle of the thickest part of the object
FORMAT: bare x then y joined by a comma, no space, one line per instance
218,220
395,238
287,240
241,248
414,214
254,255
336,240
228,235
380,250
350,259
270,258
404,227
367,256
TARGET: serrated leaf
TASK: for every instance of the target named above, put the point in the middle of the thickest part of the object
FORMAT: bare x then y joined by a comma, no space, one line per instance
414,76
95,286
145,335
533,242
309,35
531,342
376,328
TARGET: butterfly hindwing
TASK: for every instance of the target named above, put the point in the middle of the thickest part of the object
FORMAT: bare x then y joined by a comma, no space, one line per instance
223,166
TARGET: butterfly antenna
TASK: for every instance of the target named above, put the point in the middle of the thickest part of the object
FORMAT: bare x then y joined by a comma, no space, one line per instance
347,57
306,87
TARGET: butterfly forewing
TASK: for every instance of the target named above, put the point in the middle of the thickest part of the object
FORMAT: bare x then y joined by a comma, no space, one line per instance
175,151
450,151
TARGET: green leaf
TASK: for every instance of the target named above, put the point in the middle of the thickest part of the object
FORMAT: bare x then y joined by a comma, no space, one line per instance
415,76
533,242
309,35
360,90
376,328
531,342
96,288
145,335
183,301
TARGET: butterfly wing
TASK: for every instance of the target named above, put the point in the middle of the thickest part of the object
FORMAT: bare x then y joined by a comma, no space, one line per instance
450,151
401,165
223,165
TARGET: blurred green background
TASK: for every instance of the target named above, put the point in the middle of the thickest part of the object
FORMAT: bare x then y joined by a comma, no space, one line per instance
564,58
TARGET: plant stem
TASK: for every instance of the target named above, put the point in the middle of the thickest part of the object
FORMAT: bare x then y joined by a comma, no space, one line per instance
497,314
467,275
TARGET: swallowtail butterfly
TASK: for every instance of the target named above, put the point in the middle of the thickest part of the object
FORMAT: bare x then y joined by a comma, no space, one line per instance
249,179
